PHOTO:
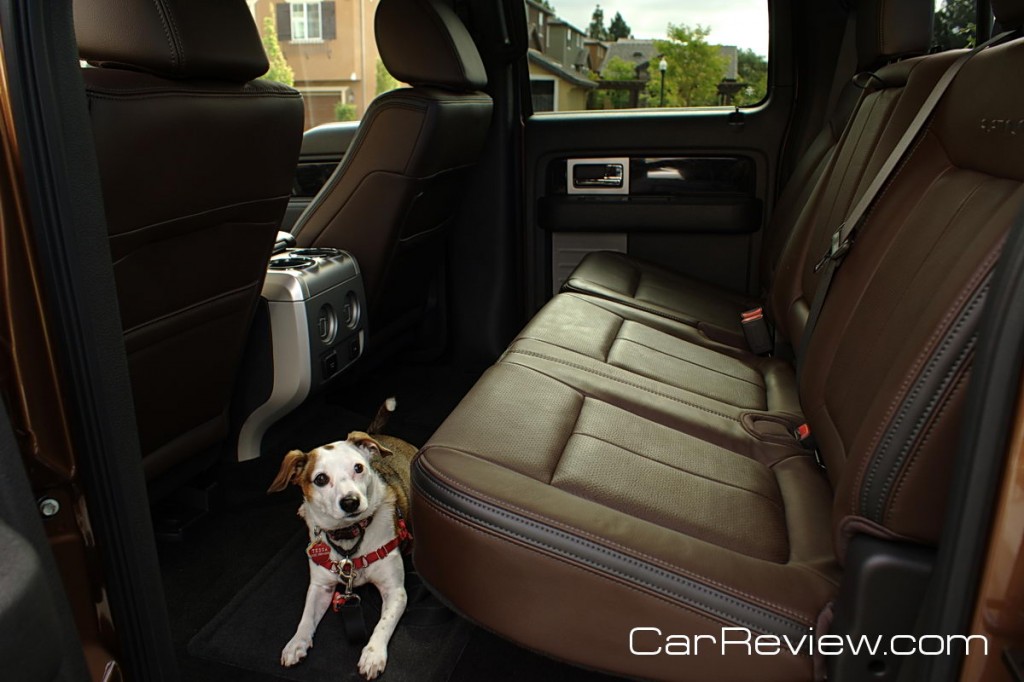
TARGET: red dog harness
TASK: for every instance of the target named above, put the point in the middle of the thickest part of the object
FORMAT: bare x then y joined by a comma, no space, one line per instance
320,553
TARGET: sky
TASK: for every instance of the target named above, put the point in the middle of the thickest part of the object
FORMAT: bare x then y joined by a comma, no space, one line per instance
743,23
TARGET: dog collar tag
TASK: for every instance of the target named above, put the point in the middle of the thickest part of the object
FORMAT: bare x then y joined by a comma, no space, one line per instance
320,554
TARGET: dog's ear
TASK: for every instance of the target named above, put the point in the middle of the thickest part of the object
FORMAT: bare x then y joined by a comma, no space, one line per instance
365,441
291,468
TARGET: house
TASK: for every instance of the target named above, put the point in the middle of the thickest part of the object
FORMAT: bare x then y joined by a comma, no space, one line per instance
559,61
332,50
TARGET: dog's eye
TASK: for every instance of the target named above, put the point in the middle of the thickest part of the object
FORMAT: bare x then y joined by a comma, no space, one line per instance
321,480
359,468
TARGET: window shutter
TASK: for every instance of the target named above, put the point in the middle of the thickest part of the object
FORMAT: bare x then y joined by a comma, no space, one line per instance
328,24
284,21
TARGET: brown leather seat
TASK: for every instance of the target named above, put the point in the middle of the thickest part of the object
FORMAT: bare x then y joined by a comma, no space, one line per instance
392,198
196,160
886,32
616,469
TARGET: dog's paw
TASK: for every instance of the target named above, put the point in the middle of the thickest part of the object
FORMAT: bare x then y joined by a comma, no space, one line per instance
373,660
294,651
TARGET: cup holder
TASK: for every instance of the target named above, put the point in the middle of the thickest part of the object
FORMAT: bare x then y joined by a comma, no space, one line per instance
317,252
291,263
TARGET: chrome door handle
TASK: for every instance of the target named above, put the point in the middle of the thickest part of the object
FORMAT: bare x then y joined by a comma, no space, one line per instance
598,176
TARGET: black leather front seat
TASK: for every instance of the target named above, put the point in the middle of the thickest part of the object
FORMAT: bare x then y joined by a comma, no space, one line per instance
391,199
196,160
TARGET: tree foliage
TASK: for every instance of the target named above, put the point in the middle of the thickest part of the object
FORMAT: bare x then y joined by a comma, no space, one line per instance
955,25
385,81
596,29
752,69
619,28
695,68
279,70
617,69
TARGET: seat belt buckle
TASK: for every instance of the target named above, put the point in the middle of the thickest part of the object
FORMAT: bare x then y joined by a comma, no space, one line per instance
756,331
804,436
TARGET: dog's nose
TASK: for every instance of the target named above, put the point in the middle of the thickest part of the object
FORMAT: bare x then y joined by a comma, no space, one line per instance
349,503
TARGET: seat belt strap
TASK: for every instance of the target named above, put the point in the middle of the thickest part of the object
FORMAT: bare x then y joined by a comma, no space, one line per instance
842,238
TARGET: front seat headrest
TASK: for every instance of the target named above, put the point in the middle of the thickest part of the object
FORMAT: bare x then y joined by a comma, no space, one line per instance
888,30
195,39
423,42
1009,13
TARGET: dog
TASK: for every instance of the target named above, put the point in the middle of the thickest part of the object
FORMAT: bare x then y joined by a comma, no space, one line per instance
356,505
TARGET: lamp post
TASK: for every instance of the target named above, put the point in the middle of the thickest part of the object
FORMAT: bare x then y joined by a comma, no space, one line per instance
663,67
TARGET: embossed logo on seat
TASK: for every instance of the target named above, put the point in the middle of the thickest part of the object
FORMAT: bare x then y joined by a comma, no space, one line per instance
1003,126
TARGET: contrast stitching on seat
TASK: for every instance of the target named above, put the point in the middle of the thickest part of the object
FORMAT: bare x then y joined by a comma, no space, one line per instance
953,316
610,377
211,211
960,383
445,512
162,13
247,288
920,360
694,363
565,443
681,469
605,541
776,618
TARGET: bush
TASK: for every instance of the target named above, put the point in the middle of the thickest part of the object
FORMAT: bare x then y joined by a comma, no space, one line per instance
344,112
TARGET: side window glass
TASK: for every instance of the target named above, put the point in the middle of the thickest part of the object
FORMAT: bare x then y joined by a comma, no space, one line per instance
955,24
588,56
326,50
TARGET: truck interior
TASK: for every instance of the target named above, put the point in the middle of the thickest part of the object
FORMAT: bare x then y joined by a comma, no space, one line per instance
669,369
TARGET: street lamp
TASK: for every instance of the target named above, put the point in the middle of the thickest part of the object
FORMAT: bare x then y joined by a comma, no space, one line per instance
663,67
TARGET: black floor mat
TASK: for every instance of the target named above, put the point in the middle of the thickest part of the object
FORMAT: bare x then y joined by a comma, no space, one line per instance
251,630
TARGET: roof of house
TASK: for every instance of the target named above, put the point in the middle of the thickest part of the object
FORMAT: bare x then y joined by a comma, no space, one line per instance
550,65
558,21
634,51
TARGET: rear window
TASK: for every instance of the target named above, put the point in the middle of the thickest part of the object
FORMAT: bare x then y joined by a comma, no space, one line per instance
621,55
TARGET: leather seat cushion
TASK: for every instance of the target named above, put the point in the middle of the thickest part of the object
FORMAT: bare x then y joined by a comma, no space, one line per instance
646,286
669,518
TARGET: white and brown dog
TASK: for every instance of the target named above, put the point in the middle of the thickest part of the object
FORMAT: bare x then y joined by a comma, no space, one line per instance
356,504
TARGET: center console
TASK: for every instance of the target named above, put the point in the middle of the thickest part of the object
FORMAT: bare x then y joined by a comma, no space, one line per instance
317,310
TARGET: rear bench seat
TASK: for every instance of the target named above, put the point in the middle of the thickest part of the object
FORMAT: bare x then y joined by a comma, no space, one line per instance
618,468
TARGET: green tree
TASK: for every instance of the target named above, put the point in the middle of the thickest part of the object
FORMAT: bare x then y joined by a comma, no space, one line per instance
547,5
619,28
752,69
385,81
596,28
955,25
694,68
279,70
617,69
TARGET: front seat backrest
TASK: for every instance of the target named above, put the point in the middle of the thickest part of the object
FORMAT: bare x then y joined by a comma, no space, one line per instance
196,161
391,199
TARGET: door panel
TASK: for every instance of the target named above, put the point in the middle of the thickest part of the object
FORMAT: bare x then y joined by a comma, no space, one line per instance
699,187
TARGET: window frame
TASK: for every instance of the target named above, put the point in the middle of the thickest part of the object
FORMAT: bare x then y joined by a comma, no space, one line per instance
304,8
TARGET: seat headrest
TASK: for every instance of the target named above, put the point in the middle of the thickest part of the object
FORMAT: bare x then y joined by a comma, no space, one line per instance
887,29
1009,13
201,39
423,42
